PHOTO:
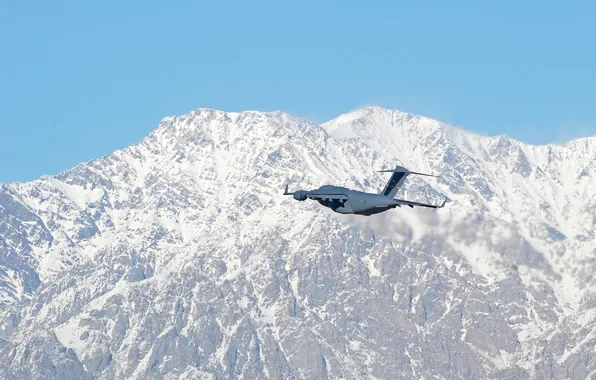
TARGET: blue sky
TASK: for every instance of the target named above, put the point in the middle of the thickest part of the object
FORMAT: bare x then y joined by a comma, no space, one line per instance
79,80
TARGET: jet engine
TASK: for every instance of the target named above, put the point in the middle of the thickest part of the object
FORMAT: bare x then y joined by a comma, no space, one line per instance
299,197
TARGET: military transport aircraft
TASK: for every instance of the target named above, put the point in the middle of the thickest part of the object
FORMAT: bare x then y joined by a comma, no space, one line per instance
347,201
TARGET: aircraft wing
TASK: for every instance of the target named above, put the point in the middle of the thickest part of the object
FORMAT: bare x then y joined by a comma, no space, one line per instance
317,195
416,204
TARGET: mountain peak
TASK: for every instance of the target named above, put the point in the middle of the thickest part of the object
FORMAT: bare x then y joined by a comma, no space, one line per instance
383,127
180,256
208,124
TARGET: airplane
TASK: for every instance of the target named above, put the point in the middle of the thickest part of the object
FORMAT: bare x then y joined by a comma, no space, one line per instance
348,201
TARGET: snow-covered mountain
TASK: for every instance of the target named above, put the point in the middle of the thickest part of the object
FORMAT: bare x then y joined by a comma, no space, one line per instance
179,257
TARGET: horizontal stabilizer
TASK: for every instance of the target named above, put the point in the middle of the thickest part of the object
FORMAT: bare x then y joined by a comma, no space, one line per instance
402,171
428,175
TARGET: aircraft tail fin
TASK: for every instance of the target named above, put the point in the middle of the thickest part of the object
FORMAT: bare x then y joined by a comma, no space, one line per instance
397,179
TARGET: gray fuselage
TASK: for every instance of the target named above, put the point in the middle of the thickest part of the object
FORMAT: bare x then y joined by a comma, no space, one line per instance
356,202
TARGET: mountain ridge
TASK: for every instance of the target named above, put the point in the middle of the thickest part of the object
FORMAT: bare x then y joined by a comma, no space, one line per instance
247,283
578,140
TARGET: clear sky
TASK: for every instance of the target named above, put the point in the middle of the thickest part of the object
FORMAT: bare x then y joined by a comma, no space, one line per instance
80,79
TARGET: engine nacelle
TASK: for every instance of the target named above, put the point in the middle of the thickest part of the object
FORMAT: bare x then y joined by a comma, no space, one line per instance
299,197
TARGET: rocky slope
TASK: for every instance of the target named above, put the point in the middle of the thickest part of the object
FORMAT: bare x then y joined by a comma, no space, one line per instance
179,258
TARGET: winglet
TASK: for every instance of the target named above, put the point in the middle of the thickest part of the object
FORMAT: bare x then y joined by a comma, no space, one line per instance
443,204
286,190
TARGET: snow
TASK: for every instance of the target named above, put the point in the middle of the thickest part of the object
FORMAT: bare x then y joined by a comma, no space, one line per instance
80,196
69,336
198,209
589,337
479,258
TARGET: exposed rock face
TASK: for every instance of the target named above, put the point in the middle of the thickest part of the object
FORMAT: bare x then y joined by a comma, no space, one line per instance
179,258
